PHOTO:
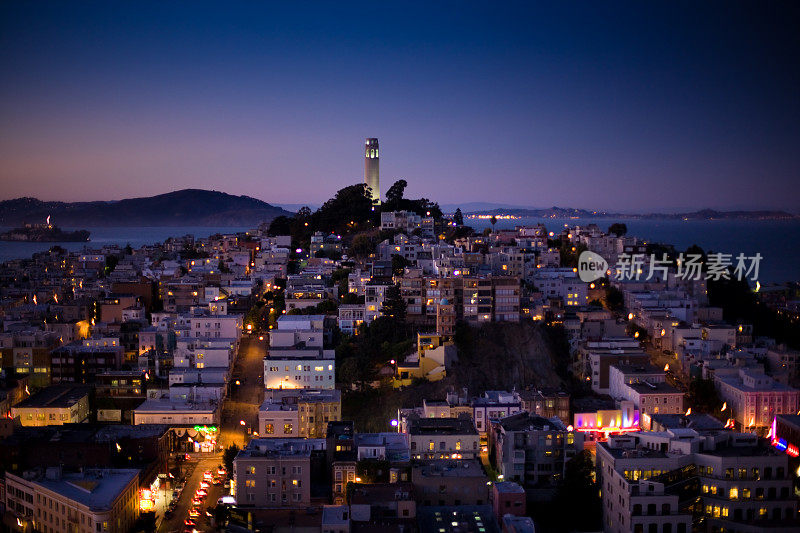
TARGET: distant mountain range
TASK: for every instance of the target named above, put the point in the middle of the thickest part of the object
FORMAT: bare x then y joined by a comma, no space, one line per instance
703,214
188,207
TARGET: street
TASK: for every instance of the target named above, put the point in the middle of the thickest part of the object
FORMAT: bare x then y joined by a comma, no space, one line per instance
241,404
194,469
245,398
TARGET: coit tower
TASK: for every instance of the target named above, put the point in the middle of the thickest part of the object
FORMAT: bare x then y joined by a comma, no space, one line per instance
371,172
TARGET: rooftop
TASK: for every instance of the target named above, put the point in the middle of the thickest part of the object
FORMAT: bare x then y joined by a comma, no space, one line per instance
442,426
449,468
654,388
94,488
55,396
509,487
525,421
281,448
371,493
163,405
461,519
641,368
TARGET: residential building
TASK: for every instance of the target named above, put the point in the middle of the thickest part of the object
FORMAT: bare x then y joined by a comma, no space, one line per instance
508,497
546,403
681,479
301,413
442,438
450,482
95,500
532,450
54,406
275,473
755,398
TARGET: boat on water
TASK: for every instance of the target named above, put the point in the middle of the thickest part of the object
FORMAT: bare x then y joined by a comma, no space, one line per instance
46,232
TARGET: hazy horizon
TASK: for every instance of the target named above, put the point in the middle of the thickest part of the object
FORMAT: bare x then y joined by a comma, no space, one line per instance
474,205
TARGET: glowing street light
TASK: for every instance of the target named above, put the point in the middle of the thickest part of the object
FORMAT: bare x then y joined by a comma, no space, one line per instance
242,423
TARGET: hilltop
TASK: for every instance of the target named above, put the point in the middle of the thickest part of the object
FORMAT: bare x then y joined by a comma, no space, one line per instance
187,207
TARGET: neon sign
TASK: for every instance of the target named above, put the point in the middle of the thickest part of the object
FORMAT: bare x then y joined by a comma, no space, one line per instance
781,444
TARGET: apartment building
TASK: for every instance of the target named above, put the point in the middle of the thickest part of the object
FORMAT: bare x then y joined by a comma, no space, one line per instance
54,406
532,450
755,398
301,413
450,482
442,438
92,501
546,403
275,473
680,479
82,362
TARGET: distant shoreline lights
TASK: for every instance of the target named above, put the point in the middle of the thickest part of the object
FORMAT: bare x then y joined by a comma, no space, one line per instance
498,217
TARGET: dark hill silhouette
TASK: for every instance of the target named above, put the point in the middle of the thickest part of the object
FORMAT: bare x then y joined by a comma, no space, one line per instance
187,207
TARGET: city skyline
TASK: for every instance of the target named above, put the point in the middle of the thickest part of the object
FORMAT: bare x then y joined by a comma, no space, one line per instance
596,107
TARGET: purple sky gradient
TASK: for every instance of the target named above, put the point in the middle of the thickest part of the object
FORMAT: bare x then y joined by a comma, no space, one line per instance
668,107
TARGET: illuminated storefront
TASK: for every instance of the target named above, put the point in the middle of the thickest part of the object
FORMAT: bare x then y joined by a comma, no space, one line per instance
608,421
197,439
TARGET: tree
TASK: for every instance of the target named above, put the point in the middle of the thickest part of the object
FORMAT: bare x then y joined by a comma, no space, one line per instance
618,228
280,226
393,305
227,458
362,246
394,196
111,264
399,263
458,217
703,396
373,470
346,212
614,299
493,220
303,213
579,486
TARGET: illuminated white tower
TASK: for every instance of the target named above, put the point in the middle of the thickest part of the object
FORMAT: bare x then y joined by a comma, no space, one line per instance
371,172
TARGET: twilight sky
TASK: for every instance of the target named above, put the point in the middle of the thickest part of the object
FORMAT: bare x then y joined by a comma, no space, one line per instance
637,106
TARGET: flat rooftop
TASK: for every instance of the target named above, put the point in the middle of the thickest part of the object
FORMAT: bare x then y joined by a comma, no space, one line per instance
458,519
654,388
641,368
449,468
509,487
526,421
55,396
289,447
165,405
94,488
442,426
